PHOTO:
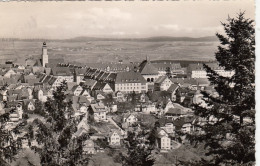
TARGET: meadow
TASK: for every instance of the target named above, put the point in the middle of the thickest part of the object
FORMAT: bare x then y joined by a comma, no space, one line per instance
108,51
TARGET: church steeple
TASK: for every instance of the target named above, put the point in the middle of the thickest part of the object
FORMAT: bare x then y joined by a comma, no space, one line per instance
147,59
45,57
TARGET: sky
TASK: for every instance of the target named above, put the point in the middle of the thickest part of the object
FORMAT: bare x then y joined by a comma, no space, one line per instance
62,20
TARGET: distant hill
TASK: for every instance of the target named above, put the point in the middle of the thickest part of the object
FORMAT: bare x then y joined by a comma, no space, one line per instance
149,39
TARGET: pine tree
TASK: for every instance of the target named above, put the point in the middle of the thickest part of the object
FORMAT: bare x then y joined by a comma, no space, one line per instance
139,152
58,146
228,128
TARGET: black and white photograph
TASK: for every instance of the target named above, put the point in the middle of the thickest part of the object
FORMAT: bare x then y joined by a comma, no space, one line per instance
128,83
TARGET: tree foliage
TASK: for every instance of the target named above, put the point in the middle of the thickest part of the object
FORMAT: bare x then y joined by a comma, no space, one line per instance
9,144
57,144
139,152
228,122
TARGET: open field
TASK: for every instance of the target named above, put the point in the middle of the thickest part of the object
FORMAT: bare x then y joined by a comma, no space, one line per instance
109,51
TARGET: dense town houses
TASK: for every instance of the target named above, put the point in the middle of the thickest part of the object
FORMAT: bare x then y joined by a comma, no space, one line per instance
111,99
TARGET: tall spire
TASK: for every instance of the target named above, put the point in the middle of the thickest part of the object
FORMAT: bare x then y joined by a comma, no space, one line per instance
147,58
45,58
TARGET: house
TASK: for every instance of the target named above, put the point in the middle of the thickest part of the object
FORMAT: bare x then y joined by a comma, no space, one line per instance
181,93
203,82
42,94
83,124
98,111
62,73
169,128
15,117
174,113
114,138
89,83
163,139
104,87
100,95
119,96
76,90
89,147
173,89
113,107
149,108
168,105
127,82
185,124
163,83
9,73
79,75
3,94
29,104
143,98
85,93
130,119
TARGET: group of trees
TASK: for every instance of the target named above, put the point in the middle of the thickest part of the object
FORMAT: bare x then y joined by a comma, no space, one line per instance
9,146
58,144
227,123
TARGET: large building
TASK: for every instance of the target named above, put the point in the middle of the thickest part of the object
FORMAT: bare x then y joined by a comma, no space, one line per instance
111,67
171,68
148,71
197,70
128,82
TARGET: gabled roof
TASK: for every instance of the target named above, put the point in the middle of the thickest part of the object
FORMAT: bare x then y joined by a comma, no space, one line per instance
161,79
99,75
111,77
164,66
114,131
177,80
104,76
80,71
129,77
70,85
61,71
160,135
98,107
75,87
52,80
199,66
101,85
203,81
89,83
146,68
173,87
84,100
27,101
127,115
190,81
174,111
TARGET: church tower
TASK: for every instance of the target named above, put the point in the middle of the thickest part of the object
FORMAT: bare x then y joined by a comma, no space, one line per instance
45,58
